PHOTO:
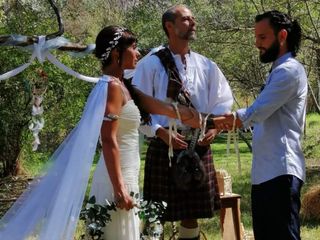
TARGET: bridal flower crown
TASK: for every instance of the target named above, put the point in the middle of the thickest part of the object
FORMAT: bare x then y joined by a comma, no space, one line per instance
113,43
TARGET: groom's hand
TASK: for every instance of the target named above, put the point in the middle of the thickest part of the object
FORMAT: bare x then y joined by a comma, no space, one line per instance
227,122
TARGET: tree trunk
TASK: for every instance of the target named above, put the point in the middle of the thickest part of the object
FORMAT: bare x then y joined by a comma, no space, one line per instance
10,151
316,99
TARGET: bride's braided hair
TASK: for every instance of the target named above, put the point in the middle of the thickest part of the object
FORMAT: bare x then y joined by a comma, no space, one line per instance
113,37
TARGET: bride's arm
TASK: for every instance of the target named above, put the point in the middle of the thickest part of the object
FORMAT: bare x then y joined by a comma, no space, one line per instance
110,147
152,105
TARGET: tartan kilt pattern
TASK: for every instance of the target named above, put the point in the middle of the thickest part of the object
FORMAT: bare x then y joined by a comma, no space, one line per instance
159,185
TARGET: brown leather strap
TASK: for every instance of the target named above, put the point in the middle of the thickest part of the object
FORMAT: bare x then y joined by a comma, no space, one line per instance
175,89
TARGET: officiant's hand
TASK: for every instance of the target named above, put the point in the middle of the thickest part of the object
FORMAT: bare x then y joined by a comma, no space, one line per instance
177,140
209,137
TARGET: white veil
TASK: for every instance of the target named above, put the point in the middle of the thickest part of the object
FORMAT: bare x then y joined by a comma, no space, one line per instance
50,208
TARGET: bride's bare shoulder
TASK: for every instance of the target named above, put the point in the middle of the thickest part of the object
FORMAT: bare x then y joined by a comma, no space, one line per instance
114,84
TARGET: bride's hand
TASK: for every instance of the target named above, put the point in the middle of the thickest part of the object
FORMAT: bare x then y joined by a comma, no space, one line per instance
177,141
123,200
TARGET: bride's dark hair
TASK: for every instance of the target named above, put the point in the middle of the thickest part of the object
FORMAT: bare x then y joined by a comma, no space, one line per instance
119,38
113,37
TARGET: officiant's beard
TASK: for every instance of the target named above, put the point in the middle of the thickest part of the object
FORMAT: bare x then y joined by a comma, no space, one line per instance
272,53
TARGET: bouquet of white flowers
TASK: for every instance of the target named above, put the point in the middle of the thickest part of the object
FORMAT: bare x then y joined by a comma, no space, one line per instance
96,217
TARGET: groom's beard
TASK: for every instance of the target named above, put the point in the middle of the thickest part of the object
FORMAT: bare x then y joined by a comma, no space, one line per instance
272,53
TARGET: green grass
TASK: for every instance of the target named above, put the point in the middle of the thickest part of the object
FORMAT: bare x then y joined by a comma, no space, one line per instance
311,140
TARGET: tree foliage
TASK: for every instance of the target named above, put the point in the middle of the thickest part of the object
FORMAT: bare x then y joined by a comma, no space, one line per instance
64,98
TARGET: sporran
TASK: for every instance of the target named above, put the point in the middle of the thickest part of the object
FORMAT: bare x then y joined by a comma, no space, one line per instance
188,170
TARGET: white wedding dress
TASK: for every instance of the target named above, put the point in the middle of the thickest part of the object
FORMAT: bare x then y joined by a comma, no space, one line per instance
124,224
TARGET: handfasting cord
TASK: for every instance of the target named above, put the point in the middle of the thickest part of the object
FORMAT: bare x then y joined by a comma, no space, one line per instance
234,133
235,140
203,125
173,130
176,109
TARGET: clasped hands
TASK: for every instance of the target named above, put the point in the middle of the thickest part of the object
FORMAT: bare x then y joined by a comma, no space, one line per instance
228,121
212,124
195,119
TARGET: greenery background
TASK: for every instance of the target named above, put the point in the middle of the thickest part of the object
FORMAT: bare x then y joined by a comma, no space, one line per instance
225,34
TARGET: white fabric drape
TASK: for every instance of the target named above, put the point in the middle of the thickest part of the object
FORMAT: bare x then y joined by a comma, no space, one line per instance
41,52
50,208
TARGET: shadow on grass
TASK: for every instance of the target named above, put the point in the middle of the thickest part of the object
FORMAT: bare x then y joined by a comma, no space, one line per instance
310,223
312,178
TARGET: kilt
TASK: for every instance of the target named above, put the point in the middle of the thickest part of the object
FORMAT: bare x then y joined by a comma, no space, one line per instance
159,185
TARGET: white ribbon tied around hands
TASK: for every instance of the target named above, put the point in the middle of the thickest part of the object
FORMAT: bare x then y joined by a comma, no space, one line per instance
41,52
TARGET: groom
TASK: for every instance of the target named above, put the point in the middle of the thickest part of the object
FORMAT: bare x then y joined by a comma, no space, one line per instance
278,113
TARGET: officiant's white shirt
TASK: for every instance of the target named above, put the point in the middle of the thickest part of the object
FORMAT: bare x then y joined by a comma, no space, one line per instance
208,88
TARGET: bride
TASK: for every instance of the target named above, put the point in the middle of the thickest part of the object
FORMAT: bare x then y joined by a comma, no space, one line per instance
50,208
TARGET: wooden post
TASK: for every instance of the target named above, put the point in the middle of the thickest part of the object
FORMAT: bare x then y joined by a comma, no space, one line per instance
230,217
